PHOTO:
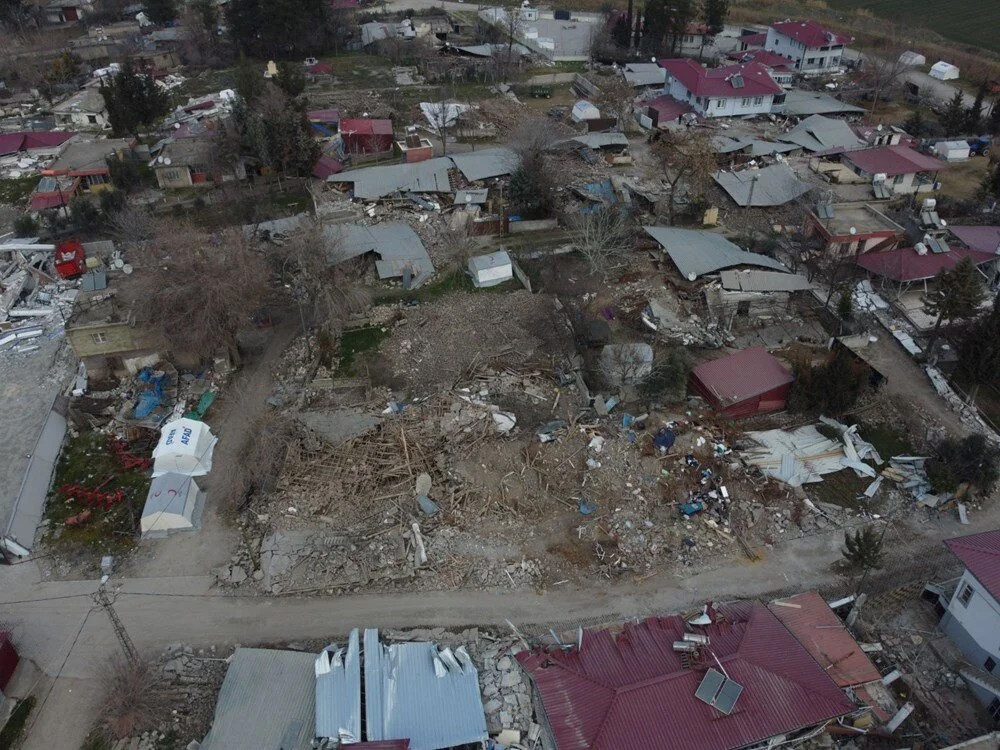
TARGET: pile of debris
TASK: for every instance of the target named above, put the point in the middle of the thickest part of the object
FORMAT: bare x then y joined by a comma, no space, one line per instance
505,688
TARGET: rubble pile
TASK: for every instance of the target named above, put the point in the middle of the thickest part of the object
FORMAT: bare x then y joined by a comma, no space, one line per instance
505,688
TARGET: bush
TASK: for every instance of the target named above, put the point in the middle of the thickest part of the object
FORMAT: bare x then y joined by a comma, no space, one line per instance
863,549
25,226
972,459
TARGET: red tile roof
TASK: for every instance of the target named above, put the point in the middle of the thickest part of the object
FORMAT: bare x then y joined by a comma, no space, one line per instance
980,553
824,636
810,33
984,239
772,60
893,160
631,690
718,81
742,375
906,264
11,143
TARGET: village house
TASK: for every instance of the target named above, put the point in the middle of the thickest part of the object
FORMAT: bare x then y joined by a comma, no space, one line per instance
67,11
972,615
81,169
811,47
781,68
363,136
852,228
732,90
900,169
192,162
84,110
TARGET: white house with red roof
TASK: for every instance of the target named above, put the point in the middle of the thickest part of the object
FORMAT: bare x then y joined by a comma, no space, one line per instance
972,615
732,90
811,47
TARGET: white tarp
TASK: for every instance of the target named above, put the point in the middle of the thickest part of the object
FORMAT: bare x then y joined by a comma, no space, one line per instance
584,110
185,447
173,504
442,114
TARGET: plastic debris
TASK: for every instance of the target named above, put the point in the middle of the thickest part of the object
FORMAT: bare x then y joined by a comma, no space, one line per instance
586,507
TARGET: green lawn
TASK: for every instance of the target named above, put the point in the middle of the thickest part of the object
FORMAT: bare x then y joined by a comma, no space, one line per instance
967,21
15,192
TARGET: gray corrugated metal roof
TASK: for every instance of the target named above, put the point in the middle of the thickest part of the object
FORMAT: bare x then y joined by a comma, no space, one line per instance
397,245
601,140
338,691
726,144
763,281
765,148
645,74
696,253
266,701
771,186
818,133
30,501
486,163
815,103
371,183
285,225
414,691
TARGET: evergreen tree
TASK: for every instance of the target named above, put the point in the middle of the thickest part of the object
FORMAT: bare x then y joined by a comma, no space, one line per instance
991,182
160,11
282,29
993,125
862,550
249,80
845,308
953,117
714,14
133,100
637,33
291,79
915,124
974,116
276,134
680,14
979,352
957,294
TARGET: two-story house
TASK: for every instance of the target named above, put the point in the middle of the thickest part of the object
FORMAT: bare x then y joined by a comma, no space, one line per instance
732,90
972,615
811,47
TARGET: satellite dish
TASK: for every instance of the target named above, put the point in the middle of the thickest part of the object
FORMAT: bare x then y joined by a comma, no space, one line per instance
854,230
166,161
692,276
127,269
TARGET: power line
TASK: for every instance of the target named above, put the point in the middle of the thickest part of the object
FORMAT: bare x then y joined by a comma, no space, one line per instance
102,600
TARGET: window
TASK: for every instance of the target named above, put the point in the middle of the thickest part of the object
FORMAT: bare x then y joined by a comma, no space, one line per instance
898,179
994,709
758,100
99,338
720,103
990,664
811,61
745,101
92,119
965,595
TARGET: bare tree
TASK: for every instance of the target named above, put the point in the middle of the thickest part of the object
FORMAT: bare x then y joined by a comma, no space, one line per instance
626,364
198,288
618,97
602,237
442,117
688,159
884,71
133,226
134,701
331,288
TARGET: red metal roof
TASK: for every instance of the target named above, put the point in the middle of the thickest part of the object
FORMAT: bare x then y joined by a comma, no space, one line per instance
11,143
906,264
980,553
984,239
365,126
326,166
772,60
753,39
321,68
631,690
810,33
824,636
41,201
742,375
667,108
892,160
719,81
323,115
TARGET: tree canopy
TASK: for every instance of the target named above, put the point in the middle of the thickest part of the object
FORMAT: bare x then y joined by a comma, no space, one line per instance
958,292
286,29
133,100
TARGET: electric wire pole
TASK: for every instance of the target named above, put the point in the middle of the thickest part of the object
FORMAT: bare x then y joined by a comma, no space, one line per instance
102,600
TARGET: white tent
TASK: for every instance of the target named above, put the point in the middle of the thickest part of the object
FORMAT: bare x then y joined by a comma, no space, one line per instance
912,58
492,269
173,504
584,110
185,447
944,71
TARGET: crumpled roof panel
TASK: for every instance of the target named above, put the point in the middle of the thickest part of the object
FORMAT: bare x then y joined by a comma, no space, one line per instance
772,186
696,253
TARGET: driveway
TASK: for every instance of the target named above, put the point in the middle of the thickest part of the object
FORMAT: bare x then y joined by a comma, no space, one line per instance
932,88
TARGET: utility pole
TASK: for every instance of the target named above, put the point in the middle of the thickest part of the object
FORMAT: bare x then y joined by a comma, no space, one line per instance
102,600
